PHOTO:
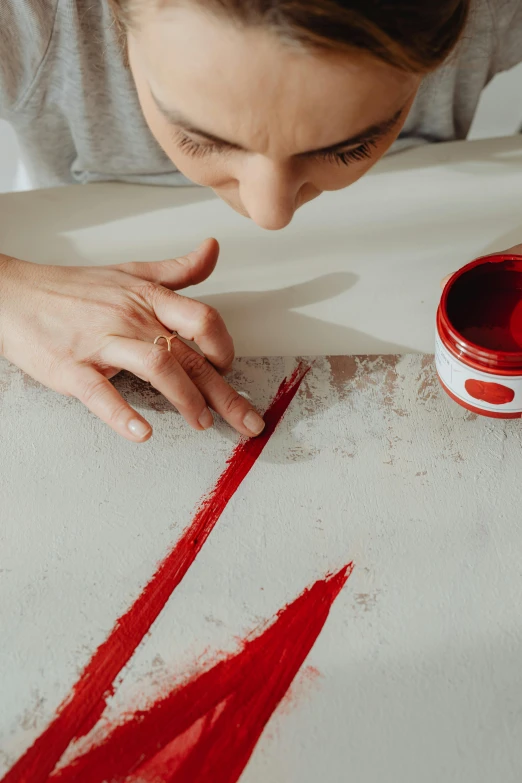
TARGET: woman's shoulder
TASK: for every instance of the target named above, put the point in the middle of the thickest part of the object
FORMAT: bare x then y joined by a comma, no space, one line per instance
502,11
505,19
26,28
491,41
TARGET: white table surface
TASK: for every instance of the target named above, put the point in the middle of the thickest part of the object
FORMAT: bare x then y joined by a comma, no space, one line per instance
357,271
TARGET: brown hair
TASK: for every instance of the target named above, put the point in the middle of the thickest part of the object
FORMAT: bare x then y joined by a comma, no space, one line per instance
413,35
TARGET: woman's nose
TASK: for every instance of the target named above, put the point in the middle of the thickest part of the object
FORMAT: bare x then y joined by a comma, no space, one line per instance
268,192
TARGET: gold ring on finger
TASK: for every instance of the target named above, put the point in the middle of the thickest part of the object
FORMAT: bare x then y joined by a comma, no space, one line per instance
168,339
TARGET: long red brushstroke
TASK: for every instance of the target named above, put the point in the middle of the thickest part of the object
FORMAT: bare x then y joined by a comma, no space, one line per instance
234,701
80,711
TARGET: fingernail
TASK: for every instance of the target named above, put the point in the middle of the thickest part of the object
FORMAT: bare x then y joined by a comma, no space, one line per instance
139,428
206,420
254,423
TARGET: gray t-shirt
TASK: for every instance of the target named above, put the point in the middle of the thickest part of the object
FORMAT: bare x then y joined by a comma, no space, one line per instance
65,89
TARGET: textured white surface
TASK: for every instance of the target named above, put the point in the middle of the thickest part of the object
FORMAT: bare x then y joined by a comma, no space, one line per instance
420,657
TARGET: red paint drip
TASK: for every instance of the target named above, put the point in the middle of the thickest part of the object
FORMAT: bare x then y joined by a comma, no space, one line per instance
206,729
80,711
494,393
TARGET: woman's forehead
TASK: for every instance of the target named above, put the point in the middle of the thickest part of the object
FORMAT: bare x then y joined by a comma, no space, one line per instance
247,86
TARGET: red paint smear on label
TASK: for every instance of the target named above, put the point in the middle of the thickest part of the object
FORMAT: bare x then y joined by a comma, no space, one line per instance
206,730
80,711
494,393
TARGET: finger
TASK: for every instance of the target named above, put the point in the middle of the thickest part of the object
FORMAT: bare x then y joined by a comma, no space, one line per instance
155,364
178,272
100,396
445,280
197,322
516,250
237,411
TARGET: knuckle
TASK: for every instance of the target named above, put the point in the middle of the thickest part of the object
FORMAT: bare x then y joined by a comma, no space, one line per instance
90,392
163,270
197,367
129,267
233,402
157,360
148,291
117,413
229,358
61,374
124,310
209,320
184,261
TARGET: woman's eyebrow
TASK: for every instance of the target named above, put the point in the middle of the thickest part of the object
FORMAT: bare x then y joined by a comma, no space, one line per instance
372,133
175,117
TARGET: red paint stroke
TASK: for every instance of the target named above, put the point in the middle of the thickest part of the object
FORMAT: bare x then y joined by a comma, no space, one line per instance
80,711
205,730
494,393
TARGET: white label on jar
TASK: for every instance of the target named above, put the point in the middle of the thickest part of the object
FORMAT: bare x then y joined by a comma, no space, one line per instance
487,391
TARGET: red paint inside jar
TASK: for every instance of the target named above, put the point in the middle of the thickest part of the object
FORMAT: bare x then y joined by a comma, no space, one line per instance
479,326
484,305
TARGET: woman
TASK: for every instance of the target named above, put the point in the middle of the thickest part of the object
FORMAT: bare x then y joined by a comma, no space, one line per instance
268,103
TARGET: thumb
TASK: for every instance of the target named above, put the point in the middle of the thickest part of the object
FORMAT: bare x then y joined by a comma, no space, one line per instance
445,280
179,272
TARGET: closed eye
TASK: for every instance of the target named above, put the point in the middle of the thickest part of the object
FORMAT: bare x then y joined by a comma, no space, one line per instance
197,149
354,155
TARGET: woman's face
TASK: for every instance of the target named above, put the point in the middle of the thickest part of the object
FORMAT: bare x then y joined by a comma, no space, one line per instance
266,125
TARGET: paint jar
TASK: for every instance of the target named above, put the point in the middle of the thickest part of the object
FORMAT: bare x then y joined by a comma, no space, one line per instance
479,336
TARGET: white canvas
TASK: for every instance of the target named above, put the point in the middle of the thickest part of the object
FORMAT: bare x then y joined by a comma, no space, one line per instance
416,674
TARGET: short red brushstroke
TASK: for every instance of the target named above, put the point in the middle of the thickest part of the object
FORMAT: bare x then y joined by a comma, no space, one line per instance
80,711
494,393
205,730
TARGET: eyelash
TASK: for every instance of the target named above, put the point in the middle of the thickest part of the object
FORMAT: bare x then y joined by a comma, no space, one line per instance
191,147
362,152
356,155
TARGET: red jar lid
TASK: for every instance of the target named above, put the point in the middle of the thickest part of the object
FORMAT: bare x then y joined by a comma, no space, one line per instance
480,314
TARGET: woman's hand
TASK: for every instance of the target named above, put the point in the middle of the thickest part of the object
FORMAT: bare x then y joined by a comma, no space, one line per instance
73,328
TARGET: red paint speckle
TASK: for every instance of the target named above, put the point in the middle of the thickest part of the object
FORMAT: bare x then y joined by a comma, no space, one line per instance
494,393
